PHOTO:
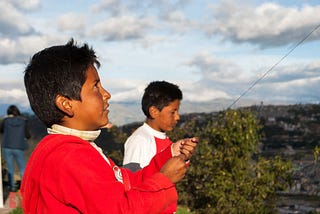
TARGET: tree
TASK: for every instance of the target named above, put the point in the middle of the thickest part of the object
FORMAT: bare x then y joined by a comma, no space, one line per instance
111,141
227,175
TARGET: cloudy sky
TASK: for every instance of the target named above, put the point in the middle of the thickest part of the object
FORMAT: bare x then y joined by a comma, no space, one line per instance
268,50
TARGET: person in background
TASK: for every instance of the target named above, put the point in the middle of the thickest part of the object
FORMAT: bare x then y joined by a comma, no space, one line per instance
67,172
15,134
160,104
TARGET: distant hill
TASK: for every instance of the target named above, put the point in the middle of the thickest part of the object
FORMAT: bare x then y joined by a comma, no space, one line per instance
122,113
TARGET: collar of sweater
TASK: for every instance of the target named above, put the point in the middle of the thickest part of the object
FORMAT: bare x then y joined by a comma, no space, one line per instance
85,135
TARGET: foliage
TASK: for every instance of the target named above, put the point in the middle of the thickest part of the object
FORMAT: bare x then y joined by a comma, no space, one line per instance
111,141
227,175
17,210
183,210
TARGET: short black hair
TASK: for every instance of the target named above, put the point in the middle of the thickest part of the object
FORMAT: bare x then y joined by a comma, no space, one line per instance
57,70
159,94
12,109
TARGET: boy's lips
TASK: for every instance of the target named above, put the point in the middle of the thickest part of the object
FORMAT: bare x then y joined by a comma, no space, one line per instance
106,108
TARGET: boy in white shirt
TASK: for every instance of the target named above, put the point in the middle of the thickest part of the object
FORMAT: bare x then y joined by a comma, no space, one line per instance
160,104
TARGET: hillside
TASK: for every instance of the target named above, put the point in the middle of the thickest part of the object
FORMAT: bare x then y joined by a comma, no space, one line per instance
291,131
286,129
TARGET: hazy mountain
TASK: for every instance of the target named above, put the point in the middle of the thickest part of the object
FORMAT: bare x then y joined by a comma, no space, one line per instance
127,112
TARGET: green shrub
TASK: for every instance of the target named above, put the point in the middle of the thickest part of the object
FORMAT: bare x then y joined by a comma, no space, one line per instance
227,175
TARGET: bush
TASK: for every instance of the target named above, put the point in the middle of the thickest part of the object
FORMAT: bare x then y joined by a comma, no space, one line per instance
227,175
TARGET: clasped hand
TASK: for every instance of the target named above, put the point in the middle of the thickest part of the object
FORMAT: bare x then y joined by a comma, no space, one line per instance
182,150
185,147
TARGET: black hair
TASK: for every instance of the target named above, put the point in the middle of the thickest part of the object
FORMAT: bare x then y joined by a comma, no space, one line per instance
57,70
12,109
159,94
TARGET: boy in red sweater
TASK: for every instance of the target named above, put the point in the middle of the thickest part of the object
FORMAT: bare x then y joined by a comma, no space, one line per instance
67,172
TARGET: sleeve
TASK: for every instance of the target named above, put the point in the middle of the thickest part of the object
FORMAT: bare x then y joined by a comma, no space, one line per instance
154,166
88,183
138,150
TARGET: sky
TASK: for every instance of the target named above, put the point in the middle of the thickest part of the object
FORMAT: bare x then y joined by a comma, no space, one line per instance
266,51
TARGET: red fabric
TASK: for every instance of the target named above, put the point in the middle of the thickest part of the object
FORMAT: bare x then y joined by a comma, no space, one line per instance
65,174
162,144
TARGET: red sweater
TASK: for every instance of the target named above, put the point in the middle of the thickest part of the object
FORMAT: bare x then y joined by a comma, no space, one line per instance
65,174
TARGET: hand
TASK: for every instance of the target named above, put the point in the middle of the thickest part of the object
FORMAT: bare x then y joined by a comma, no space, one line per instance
175,168
188,147
185,146
176,147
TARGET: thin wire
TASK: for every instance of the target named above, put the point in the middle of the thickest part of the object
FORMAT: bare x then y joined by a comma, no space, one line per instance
272,67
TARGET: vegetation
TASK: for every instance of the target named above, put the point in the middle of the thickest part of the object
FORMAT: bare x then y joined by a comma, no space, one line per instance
183,210
111,142
227,175
17,210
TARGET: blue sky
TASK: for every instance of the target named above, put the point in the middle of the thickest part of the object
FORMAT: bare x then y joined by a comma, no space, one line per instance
211,49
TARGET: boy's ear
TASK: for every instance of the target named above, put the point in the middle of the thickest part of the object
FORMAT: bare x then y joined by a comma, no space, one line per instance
64,104
154,111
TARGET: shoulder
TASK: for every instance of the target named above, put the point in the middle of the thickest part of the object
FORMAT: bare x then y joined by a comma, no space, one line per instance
143,131
140,135
67,149
55,142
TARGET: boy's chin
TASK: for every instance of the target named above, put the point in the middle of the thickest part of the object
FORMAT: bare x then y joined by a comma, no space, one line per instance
107,126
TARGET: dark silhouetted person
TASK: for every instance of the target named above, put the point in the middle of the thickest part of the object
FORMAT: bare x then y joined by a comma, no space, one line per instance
15,135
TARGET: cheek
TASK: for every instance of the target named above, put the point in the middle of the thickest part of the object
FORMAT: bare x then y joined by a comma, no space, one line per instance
97,100
169,121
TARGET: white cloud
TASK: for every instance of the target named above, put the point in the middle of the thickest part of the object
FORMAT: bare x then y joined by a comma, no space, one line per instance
14,96
28,5
267,25
71,21
200,93
12,21
20,50
122,28
106,5
146,40
215,69
125,90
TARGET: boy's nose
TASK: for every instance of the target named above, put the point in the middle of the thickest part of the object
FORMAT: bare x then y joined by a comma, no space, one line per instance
106,94
177,117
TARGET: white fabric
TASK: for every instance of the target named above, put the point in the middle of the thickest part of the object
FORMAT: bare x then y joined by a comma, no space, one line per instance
140,147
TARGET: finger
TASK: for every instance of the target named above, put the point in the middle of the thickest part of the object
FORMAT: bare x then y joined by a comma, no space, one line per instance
191,142
195,139
187,152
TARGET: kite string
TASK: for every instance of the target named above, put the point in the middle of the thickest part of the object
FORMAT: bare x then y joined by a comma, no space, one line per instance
272,67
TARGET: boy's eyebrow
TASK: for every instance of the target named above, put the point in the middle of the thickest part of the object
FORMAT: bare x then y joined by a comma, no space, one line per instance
96,81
